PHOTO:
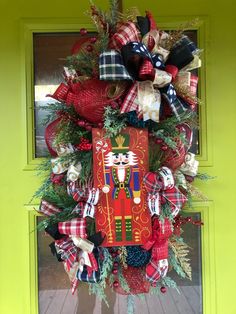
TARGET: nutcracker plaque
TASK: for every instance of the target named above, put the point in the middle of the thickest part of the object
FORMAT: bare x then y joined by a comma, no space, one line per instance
119,165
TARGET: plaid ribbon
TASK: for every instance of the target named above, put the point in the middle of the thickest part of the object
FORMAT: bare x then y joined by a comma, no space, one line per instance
89,196
158,265
48,209
111,66
67,250
91,274
160,188
76,226
126,33
130,102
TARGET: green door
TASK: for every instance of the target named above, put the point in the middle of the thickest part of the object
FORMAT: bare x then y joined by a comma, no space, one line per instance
19,21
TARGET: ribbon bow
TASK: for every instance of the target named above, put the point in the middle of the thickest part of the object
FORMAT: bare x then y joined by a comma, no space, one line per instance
87,198
161,189
158,265
68,251
154,69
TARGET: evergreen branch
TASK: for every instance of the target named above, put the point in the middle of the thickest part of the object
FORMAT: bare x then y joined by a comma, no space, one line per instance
113,122
169,282
204,176
194,191
178,257
123,282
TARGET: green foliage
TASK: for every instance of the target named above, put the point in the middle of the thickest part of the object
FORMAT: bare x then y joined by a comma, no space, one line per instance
99,288
170,283
175,264
113,121
204,176
130,304
123,281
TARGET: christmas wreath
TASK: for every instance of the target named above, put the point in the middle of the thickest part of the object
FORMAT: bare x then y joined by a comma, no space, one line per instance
120,166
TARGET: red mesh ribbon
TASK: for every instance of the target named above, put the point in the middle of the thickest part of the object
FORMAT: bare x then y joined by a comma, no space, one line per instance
136,279
50,133
89,96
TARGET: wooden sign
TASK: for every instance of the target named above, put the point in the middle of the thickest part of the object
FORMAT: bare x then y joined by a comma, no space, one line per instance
119,165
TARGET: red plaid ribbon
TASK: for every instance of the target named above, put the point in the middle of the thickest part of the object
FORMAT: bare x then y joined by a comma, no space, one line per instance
147,71
157,182
131,100
76,226
126,33
89,196
158,265
68,251
48,209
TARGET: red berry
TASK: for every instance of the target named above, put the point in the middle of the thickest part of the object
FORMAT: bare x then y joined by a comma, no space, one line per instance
89,48
83,31
163,289
120,101
113,254
115,264
100,125
115,271
93,40
88,127
81,123
118,252
154,284
158,140
115,284
164,148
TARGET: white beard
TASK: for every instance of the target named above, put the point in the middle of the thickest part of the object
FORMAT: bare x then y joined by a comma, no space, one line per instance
121,174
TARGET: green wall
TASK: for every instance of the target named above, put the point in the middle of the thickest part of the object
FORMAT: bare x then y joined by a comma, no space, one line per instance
18,184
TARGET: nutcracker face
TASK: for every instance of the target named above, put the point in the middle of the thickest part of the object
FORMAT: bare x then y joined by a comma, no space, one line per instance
120,160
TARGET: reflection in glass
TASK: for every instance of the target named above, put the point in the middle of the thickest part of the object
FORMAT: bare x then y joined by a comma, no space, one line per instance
55,295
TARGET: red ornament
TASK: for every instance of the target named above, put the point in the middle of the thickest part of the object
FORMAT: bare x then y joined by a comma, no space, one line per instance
116,264
115,271
93,40
163,289
115,284
83,31
89,48
164,148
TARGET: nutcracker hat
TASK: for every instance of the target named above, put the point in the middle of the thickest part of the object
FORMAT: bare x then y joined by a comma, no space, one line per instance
120,143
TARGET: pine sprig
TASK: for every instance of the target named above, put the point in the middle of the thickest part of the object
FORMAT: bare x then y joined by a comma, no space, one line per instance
113,122
179,260
195,192
204,176
123,255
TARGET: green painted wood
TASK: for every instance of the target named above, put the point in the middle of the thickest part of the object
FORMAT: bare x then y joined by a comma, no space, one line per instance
18,293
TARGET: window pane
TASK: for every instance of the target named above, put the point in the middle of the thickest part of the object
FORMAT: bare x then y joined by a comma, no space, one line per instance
50,51
55,295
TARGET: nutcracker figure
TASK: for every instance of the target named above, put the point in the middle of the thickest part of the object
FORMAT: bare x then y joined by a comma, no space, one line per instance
122,180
